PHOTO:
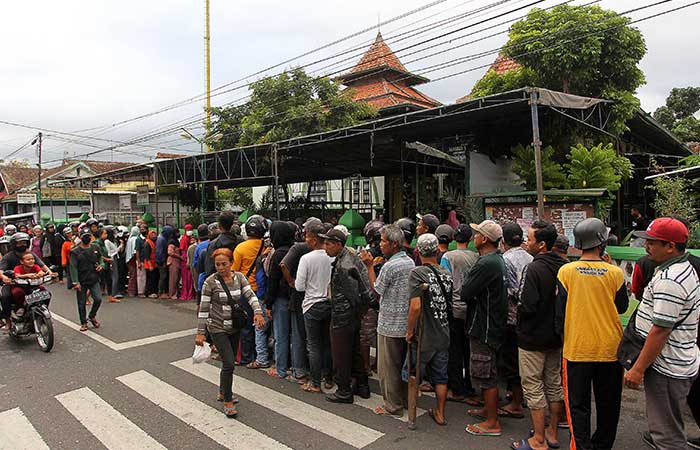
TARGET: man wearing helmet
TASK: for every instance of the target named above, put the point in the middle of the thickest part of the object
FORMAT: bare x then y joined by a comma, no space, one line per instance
590,296
408,228
10,230
19,243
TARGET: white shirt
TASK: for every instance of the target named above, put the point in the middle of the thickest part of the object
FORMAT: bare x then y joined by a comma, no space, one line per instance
313,277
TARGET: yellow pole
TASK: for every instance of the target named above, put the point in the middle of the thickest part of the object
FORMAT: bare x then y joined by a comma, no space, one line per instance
207,46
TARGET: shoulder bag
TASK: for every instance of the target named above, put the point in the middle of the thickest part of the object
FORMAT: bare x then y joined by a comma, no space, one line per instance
239,316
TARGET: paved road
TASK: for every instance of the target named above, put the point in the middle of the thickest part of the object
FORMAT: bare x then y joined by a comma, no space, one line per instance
131,385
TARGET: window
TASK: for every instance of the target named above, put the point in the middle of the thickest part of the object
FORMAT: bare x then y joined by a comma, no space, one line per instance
360,191
317,193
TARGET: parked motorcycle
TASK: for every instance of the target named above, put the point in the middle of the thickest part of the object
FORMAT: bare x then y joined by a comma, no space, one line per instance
37,317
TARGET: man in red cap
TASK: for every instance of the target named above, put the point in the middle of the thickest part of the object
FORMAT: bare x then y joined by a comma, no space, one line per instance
667,318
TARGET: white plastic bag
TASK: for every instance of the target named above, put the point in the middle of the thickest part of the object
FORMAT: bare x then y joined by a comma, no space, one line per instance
201,353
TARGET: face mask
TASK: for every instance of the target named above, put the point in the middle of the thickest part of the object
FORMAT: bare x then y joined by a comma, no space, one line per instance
190,232
21,248
144,233
85,239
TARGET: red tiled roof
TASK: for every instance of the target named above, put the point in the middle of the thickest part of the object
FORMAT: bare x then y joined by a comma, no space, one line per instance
503,64
100,166
379,55
15,178
382,93
160,155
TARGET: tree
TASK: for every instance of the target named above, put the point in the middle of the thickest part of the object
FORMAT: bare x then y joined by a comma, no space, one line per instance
241,196
553,176
15,163
597,167
678,113
493,82
289,105
584,50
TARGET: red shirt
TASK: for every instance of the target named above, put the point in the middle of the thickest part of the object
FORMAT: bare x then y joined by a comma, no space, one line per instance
21,270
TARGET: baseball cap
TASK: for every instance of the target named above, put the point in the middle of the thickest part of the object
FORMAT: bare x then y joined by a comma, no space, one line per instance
85,231
665,229
427,244
430,221
463,233
445,234
335,234
512,234
311,220
562,243
489,229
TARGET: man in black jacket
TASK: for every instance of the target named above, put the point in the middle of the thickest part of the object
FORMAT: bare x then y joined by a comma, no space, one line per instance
226,239
349,284
540,347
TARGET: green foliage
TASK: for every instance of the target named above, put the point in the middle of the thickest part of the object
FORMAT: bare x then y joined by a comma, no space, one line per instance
242,196
524,167
678,113
674,196
597,167
494,83
289,105
625,106
583,58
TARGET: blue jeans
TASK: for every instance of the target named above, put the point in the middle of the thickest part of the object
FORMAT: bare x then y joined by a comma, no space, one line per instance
300,360
280,327
318,320
82,301
436,361
263,356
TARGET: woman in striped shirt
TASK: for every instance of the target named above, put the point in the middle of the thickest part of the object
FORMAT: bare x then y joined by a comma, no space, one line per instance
224,317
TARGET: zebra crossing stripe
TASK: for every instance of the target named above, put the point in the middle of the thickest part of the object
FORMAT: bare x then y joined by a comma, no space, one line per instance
107,424
352,433
231,434
17,433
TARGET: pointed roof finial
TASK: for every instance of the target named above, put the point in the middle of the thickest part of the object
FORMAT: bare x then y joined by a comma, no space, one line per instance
379,23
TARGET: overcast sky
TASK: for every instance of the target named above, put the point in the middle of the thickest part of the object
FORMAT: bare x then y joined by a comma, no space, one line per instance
75,65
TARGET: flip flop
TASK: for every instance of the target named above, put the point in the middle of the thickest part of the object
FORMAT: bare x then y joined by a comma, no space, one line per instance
471,401
523,444
381,411
502,412
549,444
431,413
476,430
475,414
457,399
231,412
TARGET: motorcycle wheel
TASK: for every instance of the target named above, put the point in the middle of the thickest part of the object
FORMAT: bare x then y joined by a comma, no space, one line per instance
44,332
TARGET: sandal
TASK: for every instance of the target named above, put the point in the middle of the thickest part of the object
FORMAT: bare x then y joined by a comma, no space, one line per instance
235,400
83,327
382,411
95,323
477,430
272,371
476,413
257,365
309,387
230,411
431,413
502,412
553,445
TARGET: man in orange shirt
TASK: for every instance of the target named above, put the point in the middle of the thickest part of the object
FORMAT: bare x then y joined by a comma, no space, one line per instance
244,257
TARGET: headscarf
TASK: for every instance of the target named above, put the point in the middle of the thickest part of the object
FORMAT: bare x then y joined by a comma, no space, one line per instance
131,243
185,240
452,219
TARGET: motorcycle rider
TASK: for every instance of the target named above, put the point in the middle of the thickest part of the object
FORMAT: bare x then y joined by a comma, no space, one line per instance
10,230
19,243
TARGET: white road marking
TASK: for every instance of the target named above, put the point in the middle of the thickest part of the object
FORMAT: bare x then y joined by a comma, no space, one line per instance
340,428
18,433
107,424
118,346
231,434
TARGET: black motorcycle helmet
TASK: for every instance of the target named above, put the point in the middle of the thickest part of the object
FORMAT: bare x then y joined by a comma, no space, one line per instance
256,226
408,227
16,238
91,222
372,232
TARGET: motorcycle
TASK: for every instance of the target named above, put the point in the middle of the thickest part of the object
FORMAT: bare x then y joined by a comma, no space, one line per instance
37,317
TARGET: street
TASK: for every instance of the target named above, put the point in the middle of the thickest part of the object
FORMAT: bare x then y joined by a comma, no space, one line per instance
131,385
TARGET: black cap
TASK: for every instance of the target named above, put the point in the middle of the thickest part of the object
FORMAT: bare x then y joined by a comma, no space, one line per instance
85,231
512,234
203,231
430,221
463,233
335,235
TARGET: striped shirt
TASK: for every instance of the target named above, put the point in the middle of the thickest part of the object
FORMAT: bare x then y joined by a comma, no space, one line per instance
673,296
215,311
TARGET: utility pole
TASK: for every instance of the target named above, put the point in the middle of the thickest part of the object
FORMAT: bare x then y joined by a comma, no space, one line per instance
38,186
537,144
207,52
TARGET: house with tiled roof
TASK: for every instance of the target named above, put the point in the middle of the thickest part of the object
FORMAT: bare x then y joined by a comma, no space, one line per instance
381,80
63,190
501,65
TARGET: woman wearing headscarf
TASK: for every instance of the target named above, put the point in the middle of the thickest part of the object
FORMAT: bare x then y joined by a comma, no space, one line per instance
132,287
173,263
452,219
37,241
149,263
187,289
162,260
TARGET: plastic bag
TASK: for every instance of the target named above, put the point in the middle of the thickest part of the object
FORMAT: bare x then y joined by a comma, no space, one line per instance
201,353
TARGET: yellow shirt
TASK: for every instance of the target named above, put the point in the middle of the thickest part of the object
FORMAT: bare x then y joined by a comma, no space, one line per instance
592,329
244,256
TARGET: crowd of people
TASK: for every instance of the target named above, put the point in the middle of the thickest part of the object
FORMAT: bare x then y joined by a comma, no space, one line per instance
510,311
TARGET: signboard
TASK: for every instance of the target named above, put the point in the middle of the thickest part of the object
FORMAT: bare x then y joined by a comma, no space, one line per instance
26,199
142,195
125,202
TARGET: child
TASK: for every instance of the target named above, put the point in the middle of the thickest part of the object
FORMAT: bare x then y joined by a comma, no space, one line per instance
27,270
